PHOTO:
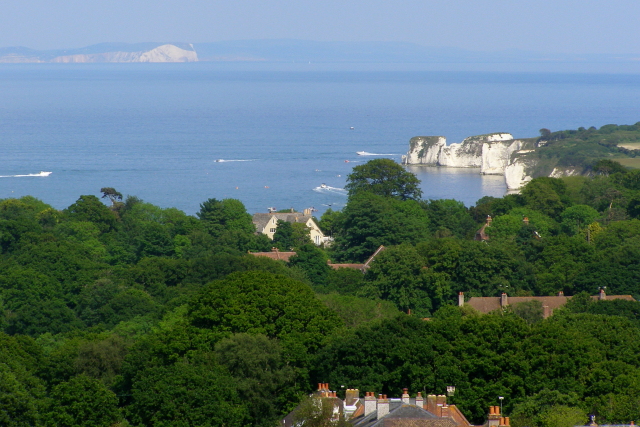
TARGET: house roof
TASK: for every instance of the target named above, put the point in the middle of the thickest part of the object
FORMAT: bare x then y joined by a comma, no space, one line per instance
261,219
488,304
354,266
275,254
404,415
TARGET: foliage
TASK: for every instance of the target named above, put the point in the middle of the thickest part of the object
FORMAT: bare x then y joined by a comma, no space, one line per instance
227,214
370,221
82,402
171,314
383,177
356,311
263,303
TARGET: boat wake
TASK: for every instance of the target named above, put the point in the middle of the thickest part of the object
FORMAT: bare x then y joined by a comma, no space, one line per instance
41,173
238,160
330,190
366,153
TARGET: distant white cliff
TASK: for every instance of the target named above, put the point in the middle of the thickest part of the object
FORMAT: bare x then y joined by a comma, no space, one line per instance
494,154
164,53
145,52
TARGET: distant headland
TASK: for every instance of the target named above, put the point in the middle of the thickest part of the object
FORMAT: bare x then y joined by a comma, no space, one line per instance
301,51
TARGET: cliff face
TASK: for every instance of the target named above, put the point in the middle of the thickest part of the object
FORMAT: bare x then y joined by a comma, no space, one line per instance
494,154
164,53
108,53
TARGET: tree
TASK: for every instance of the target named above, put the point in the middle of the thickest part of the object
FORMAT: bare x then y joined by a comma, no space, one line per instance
82,402
114,196
399,275
191,392
530,311
383,177
314,262
607,167
449,218
90,208
316,411
577,217
261,375
291,235
226,214
257,302
371,220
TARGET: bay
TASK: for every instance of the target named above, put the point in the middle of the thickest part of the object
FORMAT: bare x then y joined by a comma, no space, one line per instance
156,130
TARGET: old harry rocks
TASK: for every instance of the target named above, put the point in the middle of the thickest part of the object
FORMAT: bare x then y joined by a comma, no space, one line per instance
494,154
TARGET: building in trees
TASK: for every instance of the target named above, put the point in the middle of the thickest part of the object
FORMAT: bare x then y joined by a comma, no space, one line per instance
267,224
277,254
549,303
324,408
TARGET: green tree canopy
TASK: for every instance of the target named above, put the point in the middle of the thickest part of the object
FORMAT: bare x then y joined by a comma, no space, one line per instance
383,177
371,220
226,214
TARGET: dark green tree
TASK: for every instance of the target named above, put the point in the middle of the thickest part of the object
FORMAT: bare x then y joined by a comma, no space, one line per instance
262,377
90,208
383,177
370,221
313,261
226,214
82,402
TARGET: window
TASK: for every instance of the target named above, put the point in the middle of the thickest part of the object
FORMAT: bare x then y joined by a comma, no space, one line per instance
273,230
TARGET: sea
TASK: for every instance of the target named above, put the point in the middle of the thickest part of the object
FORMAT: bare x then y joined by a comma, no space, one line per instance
270,135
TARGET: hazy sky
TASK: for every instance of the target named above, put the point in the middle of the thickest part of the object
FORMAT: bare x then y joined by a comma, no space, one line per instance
578,26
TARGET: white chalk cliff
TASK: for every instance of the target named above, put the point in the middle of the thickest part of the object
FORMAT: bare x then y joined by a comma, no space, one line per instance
494,154
164,53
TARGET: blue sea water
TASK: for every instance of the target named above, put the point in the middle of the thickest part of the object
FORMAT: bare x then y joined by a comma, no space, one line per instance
156,130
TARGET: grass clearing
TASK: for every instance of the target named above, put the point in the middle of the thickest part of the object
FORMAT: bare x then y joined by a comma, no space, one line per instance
630,162
630,145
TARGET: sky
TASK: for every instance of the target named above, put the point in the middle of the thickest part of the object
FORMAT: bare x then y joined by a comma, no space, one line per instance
550,26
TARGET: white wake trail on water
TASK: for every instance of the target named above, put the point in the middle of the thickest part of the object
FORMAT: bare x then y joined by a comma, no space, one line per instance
236,160
330,190
41,173
366,153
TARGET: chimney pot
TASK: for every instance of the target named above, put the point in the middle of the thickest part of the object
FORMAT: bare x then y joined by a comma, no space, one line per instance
383,406
460,299
370,403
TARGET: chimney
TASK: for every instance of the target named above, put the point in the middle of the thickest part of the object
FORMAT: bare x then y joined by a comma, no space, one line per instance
460,299
525,220
431,403
405,395
602,295
306,212
504,300
441,400
494,416
444,411
352,396
489,219
561,294
419,400
383,405
370,403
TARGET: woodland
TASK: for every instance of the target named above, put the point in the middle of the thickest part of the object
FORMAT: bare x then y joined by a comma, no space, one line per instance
116,312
